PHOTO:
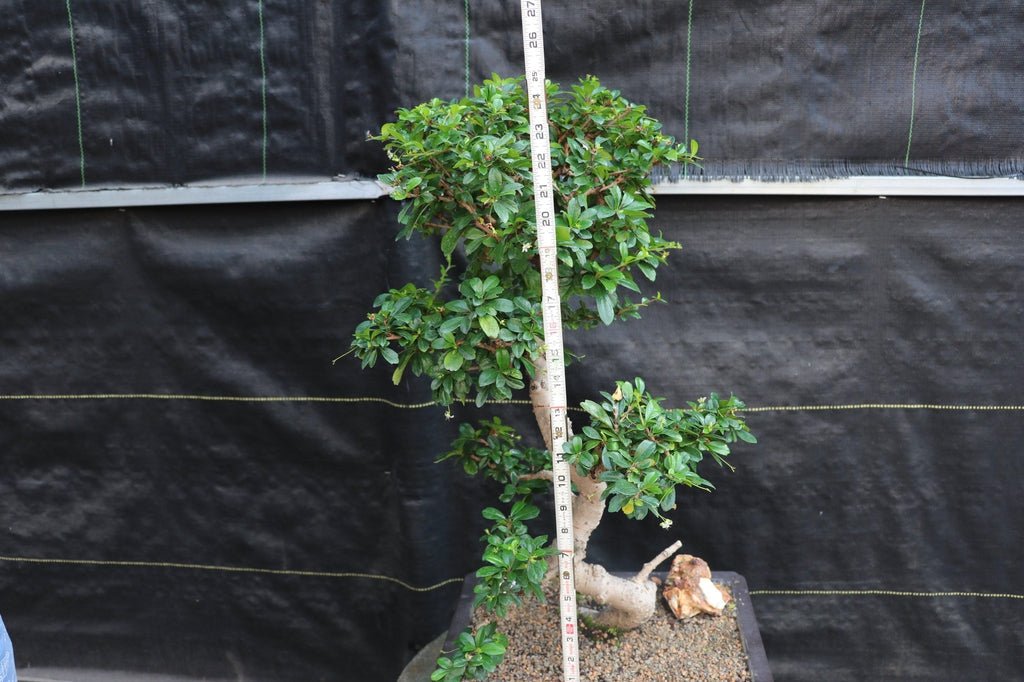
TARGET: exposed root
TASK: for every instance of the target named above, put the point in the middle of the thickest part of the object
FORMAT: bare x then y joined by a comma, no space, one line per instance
649,567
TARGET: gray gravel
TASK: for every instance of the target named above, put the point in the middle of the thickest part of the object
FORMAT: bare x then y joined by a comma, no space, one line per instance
701,649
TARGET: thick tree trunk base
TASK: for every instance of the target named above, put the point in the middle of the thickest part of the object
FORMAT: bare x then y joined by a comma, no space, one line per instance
628,602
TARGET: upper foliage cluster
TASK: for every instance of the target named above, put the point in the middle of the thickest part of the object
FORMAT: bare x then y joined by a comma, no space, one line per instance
464,169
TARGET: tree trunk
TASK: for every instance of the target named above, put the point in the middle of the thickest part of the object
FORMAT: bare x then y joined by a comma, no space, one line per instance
628,601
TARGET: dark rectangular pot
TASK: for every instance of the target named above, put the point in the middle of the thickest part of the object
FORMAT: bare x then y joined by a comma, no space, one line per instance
749,632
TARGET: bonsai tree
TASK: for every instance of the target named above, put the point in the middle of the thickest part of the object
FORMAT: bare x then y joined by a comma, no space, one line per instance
463,170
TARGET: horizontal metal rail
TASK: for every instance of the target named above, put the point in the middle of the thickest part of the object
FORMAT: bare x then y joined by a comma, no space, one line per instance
864,185
342,189
318,190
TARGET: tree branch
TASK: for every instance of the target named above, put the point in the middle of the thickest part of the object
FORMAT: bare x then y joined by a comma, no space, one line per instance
544,475
604,188
649,567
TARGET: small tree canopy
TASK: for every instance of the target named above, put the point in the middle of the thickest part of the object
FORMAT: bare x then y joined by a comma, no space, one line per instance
464,171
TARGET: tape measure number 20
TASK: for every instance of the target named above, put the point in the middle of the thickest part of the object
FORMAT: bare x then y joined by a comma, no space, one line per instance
543,195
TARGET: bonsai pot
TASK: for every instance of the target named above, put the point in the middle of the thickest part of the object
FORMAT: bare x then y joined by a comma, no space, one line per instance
749,633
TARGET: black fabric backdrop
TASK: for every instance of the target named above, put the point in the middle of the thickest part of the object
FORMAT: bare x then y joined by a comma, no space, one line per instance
818,303
787,302
168,91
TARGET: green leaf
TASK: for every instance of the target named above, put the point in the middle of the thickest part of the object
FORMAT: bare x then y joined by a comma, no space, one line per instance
453,361
492,649
495,179
651,480
465,641
492,514
623,487
605,309
390,355
596,411
505,207
718,447
668,502
627,390
651,410
628,283
645,449
525,513
502,210
503,305
450,325
649,272
746,436
490,326
449,241
487,571
618,459
396,376
491,285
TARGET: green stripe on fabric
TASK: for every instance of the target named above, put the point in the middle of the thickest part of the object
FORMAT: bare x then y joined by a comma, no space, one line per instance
913,83
263,93
686,105
465,6
78,95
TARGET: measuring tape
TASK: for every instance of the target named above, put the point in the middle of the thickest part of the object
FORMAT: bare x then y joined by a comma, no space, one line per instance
547,245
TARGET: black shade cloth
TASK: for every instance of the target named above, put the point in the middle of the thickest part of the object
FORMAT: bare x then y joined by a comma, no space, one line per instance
770,90
786,302
163,92
169,91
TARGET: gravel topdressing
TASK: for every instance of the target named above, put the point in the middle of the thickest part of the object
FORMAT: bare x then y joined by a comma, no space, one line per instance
701,649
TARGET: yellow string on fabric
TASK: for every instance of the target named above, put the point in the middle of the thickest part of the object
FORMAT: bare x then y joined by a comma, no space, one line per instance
431,403
883,593
227,569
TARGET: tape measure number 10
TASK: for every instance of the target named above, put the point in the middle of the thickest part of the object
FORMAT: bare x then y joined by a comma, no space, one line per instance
547,245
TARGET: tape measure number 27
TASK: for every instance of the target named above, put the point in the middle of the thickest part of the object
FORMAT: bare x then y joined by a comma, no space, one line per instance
543,195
